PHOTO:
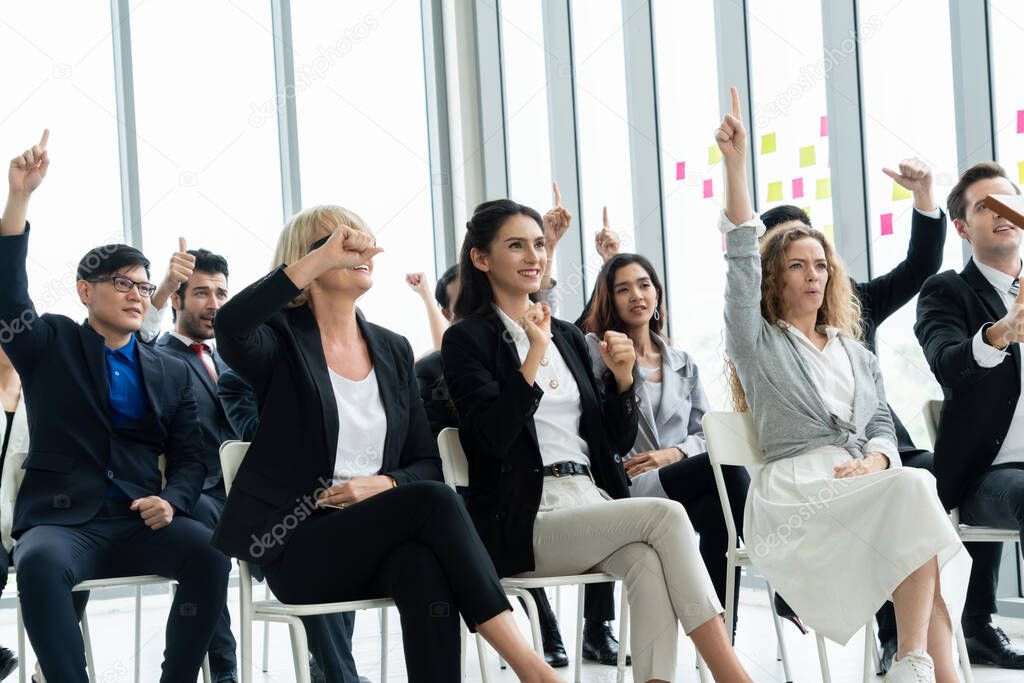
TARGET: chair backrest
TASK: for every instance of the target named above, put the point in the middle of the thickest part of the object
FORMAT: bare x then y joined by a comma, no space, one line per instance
10,482
732,439
231,455
453,458
931,418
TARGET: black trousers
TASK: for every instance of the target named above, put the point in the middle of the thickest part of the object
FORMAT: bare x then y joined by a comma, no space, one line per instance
691,482
52,559
415,544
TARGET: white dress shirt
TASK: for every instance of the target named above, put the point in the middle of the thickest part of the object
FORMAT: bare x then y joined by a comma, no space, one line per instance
987,356
362,426
557,418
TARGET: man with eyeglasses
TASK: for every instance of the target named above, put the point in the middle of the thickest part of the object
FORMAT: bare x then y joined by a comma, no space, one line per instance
102,409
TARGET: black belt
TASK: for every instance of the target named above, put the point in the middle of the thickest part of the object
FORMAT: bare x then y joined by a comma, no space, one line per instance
565,469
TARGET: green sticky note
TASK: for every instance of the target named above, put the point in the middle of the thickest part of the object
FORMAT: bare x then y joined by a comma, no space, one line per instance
775,192
768,143
823,188
807,156
714,155
899,192
830,233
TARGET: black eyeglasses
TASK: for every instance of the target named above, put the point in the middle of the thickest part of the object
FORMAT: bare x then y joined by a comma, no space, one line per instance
123,284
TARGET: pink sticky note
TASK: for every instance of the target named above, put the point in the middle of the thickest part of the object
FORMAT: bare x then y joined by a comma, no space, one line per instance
709,190
823,132
681,170
1020,120
798,188
886,223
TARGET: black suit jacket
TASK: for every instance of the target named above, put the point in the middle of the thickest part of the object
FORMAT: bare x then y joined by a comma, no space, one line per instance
291,459
437,400
239,403
75,450
213,423
979,402
497,431
882,296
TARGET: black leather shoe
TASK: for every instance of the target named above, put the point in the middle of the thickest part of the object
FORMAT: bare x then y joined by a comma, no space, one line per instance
599,645
991,646
554,650
783,609
886,656
8,662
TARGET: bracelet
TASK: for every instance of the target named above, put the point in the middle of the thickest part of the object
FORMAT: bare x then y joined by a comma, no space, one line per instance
394,484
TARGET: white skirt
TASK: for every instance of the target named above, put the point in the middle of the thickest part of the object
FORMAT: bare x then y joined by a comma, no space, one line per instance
835,549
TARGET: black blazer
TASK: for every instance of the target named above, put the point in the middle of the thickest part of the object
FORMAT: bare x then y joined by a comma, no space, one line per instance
213,423
496,428
75,450
239,403
278,350
979,402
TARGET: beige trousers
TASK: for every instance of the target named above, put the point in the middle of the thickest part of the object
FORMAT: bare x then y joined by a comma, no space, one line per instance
648,544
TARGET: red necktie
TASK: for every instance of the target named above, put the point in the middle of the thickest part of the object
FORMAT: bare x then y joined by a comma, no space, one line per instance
199,349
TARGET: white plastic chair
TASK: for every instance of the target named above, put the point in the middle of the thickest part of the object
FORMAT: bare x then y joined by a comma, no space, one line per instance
231,455
456,474
732,440
13,475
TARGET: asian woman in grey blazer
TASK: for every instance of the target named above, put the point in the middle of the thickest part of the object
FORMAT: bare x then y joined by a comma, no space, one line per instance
669,458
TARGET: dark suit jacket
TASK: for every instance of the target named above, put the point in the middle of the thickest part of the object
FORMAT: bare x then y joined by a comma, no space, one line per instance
75,450
882,296
437,401
279,352
239,403
979,402
213,423
497,431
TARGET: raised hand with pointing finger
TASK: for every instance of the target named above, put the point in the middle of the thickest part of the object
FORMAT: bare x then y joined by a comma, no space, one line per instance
916,176
26,172
731,138
556,221
606,240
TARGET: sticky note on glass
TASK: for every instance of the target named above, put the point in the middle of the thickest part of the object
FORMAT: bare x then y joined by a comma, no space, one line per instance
886,223
823,128
806,209
768,143
807,157
681,170
709,189
714,155
798,188
899,192
830,233
823,189
1020,172
775,191
1020,121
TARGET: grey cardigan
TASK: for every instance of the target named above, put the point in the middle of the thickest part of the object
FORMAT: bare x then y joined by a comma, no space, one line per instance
788,412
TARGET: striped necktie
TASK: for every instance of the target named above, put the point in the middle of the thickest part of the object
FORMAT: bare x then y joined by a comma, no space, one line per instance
1015,287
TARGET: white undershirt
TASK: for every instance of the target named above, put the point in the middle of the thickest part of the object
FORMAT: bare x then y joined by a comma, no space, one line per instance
1012,449
362,425
557,418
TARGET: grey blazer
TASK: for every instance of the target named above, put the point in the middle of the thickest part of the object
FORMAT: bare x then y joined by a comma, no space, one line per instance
677,422
790,416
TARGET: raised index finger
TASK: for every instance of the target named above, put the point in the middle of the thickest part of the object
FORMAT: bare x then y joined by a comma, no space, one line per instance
604,216
735,101
182,247
558,195
46,137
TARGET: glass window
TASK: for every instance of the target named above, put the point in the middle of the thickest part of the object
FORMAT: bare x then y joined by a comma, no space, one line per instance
790,126
362,121
1007,26
60,75
688,111
603,125
207,133
895,129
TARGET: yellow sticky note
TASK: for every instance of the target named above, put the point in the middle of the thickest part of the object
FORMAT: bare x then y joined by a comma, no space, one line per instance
1020,171
823,188
806,209
714,155
807,156
830,233
775,192
768,143
899,192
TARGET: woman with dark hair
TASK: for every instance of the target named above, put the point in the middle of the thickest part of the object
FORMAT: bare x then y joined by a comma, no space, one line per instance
547,493
669,457
344,453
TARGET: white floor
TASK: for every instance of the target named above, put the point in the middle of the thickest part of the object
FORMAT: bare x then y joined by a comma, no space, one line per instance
111,626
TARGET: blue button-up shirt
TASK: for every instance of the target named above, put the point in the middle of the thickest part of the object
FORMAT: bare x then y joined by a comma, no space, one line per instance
127,400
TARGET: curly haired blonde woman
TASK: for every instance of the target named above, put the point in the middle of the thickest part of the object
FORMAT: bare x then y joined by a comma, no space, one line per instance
820,516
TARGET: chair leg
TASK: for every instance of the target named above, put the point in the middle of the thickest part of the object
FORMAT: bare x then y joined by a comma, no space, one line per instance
138,634
580,599
207,676
463,635
245,631
384,626
826,676
21,644
90,665
481,653
965,660
702,670
266,633
300,649
779,635
869,652
620,674
730,596
532,615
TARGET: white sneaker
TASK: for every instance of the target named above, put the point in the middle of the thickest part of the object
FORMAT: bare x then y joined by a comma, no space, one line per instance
915,667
